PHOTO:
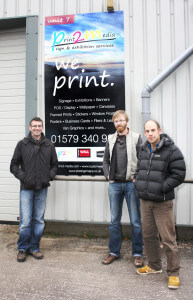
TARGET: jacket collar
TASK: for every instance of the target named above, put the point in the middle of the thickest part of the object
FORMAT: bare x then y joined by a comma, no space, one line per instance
29,138
164,140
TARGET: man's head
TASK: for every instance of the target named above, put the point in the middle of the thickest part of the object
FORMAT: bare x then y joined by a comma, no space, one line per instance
36,127
152,132
120,120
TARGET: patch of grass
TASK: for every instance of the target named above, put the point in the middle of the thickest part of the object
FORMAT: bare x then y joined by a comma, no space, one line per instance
89,235
52,234
126,238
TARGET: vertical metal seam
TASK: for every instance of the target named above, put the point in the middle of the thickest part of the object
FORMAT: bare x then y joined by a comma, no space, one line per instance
173,75
66,201
131,54
17,8
53,8
90,6
53,201
103,5
5,8
79,202
189,111
65,6
105,203
77,6
93,188
159,43
145,57
29,7
31,78
118,5
41,95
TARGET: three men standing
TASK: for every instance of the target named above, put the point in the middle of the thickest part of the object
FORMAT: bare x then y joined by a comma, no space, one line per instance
34,163
161,168
119,166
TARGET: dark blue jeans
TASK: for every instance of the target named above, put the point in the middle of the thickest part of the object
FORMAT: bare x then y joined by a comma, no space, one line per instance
117,192
32,208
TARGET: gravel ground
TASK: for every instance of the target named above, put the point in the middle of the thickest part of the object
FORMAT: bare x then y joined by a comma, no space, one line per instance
72,269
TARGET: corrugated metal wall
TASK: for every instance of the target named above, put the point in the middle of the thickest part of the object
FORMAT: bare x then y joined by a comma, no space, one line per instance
12,114
156,32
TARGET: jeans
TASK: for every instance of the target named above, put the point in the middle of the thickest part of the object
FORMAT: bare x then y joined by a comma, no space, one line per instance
32,208
158,219
117,192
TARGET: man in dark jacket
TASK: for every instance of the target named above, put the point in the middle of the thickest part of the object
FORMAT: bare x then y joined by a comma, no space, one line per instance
34,163
160,169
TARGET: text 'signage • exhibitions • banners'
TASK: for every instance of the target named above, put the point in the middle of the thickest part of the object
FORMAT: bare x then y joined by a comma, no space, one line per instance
84,86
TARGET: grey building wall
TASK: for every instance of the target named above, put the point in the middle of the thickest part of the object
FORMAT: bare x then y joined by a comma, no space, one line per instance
156,32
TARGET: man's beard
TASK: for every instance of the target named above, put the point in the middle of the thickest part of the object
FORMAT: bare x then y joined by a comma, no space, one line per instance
120,129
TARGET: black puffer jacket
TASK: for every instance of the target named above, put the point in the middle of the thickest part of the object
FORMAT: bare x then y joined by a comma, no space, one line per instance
160,172
34,163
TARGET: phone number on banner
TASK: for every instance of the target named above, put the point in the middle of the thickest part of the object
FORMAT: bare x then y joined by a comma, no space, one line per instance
74,138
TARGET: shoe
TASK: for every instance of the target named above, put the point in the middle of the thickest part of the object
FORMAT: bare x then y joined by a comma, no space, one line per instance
109,259
173,282
21,256
138,261
147,270
36,254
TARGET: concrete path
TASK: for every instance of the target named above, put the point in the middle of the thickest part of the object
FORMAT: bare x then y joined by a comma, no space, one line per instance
72,269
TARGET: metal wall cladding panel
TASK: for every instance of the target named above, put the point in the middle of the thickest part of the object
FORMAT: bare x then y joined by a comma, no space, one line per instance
12,115
156,32
9,217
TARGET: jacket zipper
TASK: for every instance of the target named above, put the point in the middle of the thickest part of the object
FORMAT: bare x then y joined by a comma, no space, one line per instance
150,163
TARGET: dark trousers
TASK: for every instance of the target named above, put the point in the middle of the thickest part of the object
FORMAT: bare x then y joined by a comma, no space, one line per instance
158,219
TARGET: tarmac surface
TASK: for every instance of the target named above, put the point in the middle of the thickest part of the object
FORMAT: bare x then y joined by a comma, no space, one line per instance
72,269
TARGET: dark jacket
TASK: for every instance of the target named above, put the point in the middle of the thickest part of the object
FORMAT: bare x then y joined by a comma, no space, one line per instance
34,163
160,172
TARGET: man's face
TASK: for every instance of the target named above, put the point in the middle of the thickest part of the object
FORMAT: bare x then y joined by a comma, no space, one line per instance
120,123
152,133
36,129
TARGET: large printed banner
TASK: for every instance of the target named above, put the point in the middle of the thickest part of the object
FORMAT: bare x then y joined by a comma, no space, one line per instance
84,86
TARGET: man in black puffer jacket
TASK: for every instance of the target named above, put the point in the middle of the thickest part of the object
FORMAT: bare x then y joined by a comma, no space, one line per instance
34,163
160,169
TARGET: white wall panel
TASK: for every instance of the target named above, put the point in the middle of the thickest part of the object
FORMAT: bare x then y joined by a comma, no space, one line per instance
128,54
22,7
137,82
72,7
61,205
156,32
2,9
59,7
12,115
101,204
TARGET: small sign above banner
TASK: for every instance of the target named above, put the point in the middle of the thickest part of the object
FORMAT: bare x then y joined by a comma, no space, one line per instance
59,20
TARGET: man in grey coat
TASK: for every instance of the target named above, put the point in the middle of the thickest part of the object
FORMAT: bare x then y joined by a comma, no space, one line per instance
119,166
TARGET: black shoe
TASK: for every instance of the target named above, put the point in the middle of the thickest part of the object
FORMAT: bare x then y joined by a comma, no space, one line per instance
21,256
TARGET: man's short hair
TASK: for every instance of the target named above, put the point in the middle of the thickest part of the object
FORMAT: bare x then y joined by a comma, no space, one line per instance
37,119
120,112
157,124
